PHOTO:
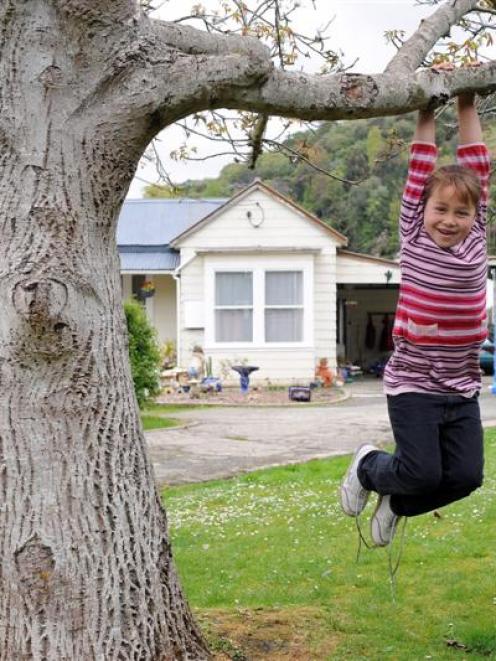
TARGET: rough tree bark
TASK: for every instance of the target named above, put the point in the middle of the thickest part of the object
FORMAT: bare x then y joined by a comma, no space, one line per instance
86,568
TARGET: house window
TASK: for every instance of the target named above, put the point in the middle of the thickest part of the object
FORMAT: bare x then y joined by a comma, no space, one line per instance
268,302
234,306
283,306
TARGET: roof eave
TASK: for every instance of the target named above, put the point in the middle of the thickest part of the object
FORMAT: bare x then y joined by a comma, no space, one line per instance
369,258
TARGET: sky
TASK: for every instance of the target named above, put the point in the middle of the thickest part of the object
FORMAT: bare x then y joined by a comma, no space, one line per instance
357,30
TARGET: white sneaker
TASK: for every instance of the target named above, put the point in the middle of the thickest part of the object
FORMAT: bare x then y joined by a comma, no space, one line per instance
353,496
384,522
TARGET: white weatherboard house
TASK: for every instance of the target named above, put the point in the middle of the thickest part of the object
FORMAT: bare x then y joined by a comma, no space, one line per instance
255,278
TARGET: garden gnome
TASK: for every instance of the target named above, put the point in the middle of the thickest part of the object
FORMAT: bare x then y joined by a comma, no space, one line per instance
196,368
324,373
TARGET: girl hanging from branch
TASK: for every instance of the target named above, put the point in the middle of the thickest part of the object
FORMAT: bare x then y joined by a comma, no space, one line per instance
433,379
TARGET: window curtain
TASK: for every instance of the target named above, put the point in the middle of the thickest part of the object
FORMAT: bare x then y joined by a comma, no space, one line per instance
283,324
233,324
233,289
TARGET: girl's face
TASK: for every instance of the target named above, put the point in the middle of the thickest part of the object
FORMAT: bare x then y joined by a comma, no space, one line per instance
448,219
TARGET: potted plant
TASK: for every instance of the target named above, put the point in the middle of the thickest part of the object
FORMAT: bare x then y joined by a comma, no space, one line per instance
147,289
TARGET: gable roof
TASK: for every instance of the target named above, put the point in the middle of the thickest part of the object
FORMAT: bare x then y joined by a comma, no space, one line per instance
149,231
258,185
157,222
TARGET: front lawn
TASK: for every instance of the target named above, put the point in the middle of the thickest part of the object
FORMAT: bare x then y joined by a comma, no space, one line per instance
157,416
268,562
157,422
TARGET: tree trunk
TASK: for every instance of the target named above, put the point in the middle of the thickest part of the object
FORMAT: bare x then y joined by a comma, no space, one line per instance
86,568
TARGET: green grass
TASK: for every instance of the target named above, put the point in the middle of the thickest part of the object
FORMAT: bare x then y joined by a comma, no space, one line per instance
157,422
167,409
277,539
156,416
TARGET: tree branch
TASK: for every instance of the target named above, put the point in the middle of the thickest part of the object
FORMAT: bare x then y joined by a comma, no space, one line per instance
103,10
192,41
179,70
413,52
353,96
485,10
257,139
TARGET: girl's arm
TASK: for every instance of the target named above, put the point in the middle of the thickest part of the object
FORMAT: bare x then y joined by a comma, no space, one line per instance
469,126
425,130
472,153
423,154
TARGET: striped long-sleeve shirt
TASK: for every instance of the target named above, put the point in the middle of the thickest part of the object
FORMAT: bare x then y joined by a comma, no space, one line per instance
440,319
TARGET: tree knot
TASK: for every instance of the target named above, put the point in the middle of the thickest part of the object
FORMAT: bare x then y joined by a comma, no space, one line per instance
51,77
40,299
358,89
35,565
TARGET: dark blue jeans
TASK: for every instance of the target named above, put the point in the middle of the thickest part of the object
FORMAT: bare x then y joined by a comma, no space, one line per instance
438,457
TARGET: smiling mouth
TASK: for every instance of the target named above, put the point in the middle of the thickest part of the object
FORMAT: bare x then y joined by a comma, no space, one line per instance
446,233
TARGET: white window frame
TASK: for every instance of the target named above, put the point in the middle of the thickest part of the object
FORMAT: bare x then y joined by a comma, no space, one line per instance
258,265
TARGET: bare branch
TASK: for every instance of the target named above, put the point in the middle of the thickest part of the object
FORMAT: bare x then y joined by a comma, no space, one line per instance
257,138
271,24
297,156
411,55
210,156
483,9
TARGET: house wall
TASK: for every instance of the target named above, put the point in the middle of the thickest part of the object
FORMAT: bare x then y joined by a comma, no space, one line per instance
282,227
325,305
191,291
285,366
259,228
359,270
160,308
278,364
164,310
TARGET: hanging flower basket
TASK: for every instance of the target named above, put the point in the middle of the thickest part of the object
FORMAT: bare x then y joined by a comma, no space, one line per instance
147,290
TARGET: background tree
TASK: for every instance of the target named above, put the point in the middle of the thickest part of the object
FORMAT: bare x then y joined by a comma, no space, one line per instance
87,571
372,152
144,352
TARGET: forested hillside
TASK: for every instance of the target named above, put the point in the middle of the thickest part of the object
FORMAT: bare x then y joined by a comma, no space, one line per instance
372,152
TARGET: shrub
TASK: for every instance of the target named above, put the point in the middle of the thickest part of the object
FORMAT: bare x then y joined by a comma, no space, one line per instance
144,352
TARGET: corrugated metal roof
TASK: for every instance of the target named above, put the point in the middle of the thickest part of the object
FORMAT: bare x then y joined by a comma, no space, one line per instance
157,222
148,258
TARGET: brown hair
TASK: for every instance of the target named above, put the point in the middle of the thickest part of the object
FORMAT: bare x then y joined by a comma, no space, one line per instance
464,180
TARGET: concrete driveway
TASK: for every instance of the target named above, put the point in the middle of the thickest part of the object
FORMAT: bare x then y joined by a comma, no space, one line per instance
225,441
